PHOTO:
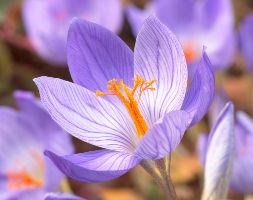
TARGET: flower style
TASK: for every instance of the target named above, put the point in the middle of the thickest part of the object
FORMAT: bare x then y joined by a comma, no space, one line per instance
24,135
246,40
135,106
195,23
47,22
219,155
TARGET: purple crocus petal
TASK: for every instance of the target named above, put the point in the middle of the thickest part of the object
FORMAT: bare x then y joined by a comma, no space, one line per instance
26,194
219,156
137,16
61,196
29,105
202,146
246,40
95,56
158,56
94,166
242,178
47,22
177,14
15,132
47,33
77,110
109,15
55,140
221,51
201,92
213,11
164,136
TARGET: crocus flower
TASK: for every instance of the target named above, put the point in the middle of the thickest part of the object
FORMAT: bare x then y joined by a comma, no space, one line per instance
47,22
135,106
219,155
24,172
241,179
246,40
195,23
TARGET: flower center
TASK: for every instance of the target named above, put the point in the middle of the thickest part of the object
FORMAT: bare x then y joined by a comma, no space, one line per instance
189,52
22,179
130,98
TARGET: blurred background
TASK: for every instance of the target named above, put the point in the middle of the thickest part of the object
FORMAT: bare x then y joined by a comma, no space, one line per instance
20,63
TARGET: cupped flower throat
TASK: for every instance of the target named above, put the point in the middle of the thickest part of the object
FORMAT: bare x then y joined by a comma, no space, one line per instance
130,98
23,178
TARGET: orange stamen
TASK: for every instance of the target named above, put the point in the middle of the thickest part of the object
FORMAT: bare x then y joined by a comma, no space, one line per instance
127,96
189,52
22,179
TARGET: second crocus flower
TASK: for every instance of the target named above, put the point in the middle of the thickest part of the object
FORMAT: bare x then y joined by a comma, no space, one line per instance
25,173
47,21
207,23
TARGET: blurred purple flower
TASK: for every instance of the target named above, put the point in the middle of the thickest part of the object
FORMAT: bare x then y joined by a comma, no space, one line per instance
207,23
246,41
141,116
219,153
241,179
47,22
24,135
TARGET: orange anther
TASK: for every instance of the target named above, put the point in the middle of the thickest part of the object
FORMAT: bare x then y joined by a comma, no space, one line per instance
127,96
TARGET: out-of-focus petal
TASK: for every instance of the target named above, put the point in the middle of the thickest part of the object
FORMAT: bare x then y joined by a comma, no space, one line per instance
202,147
61,196
219,156
201,92
38,123
94,166
164,136
87,117
15,133
60,143
95,56
246,40
223,54
109,15
176,14
137,16
33,109
216,11
26,194
47,22
46,32
159,56
242,178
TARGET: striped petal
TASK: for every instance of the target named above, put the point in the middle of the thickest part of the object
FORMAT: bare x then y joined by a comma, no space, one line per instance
164,137
94,166
95,56
159,56
201,92
85,116
219,156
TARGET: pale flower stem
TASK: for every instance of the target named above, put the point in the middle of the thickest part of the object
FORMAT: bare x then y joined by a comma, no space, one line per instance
165,172
162,178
